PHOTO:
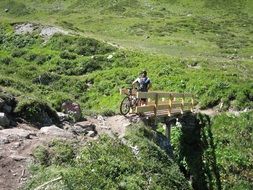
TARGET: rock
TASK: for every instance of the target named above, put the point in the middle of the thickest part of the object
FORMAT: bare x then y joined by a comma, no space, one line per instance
4,140
78,130
4,121
109,56
72,109
24,28
91,134
88,126
7,108
62,116
56,131
50,31
15,134
2,102
18,157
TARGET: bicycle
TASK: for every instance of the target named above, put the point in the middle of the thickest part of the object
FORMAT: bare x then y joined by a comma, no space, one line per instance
130,101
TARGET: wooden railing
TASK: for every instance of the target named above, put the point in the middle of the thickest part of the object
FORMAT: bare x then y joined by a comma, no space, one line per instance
164,103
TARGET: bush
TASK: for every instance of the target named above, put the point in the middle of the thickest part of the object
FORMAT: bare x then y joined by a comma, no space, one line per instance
46,78
30,57
67,55
6,60
37,112
18,53
40,59
41,155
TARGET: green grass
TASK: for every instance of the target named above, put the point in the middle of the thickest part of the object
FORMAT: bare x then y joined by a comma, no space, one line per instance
186,28
203,47
78,68
99,165
224,145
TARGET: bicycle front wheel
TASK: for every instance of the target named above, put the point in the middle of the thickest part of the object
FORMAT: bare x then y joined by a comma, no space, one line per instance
125,106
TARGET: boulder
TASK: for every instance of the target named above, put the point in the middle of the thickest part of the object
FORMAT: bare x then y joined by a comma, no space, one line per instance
88,126
2,102
15,134
7,108
72,109
82,128
56,132
62,116
4,121
91,133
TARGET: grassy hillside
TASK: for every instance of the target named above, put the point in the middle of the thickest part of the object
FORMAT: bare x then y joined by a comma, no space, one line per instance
180,28
99,165
91,72
204,47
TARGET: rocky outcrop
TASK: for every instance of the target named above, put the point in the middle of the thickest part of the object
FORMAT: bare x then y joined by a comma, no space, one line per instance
56,132
72,109
4,121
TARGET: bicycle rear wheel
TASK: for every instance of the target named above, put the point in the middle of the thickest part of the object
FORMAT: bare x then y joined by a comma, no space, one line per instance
125,106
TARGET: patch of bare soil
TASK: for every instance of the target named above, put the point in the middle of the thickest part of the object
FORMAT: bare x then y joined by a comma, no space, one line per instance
16,146
44,31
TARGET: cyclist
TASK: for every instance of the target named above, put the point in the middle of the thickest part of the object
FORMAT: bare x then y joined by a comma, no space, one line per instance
144,84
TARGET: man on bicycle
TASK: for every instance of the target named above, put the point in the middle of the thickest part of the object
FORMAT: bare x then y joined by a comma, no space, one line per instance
144,84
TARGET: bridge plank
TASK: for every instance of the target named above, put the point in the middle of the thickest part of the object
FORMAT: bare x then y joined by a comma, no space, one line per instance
176,105
146,95
142,109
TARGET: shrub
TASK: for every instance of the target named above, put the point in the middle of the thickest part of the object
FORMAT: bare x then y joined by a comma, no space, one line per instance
36,111
18,53
46,78
30,57
41,155
6,60
40,59
67,55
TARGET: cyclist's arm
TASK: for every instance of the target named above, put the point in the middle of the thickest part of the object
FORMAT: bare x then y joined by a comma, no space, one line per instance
135,81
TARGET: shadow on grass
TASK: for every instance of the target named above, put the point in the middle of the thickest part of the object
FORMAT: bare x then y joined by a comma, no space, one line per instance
197,158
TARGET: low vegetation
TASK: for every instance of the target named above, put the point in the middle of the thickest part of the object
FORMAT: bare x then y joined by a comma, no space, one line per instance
203,47
99,165
224,146
91,73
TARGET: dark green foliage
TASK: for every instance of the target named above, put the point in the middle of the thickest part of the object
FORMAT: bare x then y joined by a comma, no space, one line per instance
9,82
46,78
18,53
36,111
219,148
41,155
6,60
78,45
15,8
233,141
67,55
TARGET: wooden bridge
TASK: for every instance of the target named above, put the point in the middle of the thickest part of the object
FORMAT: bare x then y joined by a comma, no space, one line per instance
160,104
165,106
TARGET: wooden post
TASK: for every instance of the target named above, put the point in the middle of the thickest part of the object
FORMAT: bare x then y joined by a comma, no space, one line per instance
182,105
156,104
168,130
170,105
192,101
